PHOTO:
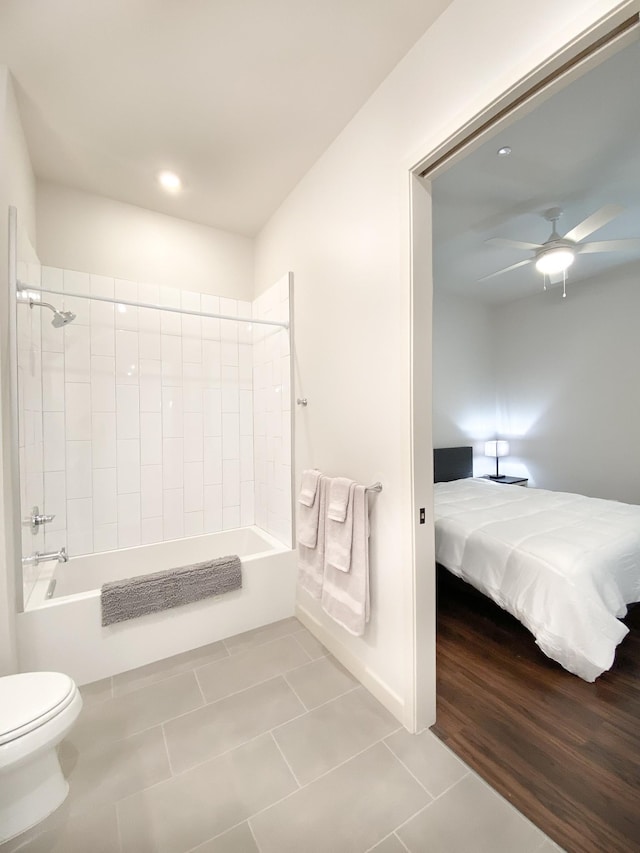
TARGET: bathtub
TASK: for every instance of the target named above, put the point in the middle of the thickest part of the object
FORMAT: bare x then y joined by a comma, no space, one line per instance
60,628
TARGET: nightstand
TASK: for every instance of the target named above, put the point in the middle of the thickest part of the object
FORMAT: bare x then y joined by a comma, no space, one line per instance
508,481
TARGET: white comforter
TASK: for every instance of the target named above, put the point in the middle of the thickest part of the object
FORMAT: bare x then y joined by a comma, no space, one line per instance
565,565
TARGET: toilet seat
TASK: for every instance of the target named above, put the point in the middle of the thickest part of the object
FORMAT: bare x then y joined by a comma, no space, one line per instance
30,699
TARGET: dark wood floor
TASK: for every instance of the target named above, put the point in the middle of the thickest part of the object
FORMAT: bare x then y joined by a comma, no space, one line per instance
564,752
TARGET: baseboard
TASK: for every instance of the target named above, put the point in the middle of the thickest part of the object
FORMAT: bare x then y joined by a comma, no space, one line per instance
382,692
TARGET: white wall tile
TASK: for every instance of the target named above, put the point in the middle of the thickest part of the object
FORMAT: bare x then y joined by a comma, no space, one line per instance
191,328
53,382
105,495
129,532
230,390
52,278
245,366
55,499
193,523
128,411
212,466
212,508
103,336
79,478
171,352
193,437
230,482
77,282
79,520
212,411
210,326
105,537
193,487
148,319
192,387
230,436
172,413
128,466
127,360
211,367
230,517
246,458
246,413
150,386
102,317
151,491
246,504
103,436
170,323
151,530
79,542
173,514
149,345
151,438
229,354
103,383
77,352
126,317
172,463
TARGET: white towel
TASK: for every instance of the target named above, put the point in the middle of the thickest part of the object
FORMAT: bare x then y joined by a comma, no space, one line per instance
345,595
308,515
339,492
311,559
309,486
339,535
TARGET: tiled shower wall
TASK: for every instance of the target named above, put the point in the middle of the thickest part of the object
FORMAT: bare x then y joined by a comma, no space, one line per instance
148,416
272,407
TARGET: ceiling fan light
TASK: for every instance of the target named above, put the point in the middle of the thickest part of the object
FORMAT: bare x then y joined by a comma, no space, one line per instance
555,260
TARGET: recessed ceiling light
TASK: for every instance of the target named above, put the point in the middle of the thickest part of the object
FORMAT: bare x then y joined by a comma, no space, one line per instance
504,151
170,181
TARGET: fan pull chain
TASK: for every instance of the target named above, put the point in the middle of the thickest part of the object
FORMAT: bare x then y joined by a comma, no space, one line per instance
544,281
564,284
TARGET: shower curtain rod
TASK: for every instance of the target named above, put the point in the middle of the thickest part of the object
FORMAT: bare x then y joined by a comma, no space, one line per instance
22,288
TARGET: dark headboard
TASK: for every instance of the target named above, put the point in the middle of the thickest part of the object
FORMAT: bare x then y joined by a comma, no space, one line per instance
452,463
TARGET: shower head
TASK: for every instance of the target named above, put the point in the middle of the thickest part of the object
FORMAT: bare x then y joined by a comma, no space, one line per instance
60,318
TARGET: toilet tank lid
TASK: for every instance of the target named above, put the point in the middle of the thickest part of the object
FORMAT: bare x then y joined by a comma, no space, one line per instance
31,698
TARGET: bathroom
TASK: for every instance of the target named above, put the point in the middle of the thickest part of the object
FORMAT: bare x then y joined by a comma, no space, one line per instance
333,236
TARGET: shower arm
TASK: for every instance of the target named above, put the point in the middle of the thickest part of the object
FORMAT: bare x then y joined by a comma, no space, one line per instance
33,303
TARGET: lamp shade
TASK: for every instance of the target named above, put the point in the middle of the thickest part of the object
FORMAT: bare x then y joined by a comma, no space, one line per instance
555,260
496,448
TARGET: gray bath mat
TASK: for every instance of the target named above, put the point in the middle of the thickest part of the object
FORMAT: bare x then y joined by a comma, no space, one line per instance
138,596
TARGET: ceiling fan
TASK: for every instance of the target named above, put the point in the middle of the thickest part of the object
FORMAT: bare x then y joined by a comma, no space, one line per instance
557,253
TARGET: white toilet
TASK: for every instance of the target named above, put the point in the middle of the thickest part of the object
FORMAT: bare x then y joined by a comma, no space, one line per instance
37,709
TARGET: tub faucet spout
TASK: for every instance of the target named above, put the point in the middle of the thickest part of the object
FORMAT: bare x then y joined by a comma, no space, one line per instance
42,557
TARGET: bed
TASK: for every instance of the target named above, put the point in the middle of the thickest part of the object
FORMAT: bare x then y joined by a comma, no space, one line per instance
564,565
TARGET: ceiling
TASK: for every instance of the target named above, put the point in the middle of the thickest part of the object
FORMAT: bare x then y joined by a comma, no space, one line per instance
579,150
239,97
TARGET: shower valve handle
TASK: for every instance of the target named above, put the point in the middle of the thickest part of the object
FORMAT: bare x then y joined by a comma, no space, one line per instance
38,519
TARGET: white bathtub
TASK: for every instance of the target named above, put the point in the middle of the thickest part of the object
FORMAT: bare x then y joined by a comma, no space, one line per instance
64,632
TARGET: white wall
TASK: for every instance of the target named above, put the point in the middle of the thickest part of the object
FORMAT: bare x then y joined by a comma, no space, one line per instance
344,231
91,234
17,188
569,395
464,381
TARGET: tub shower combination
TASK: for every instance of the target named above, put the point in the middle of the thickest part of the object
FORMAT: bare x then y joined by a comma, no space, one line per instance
152,398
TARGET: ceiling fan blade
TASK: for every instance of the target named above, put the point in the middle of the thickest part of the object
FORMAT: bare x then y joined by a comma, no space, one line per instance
507,269
594,222
513,244
610,246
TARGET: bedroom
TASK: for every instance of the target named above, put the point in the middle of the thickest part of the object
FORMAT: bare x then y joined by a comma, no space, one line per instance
557,378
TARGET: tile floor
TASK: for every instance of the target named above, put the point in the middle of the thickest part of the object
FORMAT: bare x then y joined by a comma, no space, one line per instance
263,743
